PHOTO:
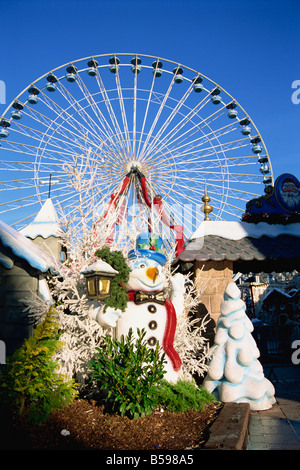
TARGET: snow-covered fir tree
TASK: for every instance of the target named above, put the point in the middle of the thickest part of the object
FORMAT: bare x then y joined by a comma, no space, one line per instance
235,374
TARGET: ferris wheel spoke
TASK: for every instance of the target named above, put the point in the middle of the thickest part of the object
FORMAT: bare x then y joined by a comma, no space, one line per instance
123,114
235,177
69,119
10,165
199,156
111,112
69,202
188,117
197,143
28,149
81,132
34,134
93,105
241,196
89,186
211,163
134,112
90,125
57,127
184,121
214,149
13,204
24,201
180,214
158,114
197,127
200,140
9,185
218,205
199,182
111,134
146,114
234,194
168,121
185,138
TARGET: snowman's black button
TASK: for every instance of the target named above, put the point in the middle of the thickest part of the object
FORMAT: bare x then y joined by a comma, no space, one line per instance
152,325
152,341
152,308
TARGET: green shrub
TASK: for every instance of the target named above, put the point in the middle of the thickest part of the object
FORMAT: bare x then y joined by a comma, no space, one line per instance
30,383
182,396
129,370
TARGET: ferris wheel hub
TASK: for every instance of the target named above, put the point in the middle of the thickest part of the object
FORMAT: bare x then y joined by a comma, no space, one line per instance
134,166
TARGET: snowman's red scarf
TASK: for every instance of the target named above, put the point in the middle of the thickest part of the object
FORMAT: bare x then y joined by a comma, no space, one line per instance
170,329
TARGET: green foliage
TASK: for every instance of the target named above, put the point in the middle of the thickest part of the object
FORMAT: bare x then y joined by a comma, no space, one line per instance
151,244
129,370
182,396
118,297
30,383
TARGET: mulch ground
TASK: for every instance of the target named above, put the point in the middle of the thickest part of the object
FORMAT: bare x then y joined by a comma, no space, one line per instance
85,425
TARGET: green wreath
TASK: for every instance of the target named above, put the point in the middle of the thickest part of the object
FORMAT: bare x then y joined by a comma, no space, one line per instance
118,297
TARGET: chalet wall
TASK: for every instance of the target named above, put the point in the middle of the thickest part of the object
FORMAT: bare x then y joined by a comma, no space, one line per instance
16,283
52,245
212,278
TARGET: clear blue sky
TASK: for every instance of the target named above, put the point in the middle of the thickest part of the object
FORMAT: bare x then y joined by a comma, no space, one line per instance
249,47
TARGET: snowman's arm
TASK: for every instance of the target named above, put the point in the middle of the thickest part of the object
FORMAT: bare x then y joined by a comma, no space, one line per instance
178,290
107,318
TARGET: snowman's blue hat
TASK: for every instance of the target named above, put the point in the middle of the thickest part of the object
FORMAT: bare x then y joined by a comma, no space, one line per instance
148,246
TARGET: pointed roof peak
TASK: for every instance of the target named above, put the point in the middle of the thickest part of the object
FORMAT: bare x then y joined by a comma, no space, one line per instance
45,224
47,213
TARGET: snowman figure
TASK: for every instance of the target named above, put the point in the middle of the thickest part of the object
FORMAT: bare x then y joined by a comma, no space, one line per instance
148,308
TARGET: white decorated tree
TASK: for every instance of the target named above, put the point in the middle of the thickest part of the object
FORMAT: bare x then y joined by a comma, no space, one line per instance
81,238
235,373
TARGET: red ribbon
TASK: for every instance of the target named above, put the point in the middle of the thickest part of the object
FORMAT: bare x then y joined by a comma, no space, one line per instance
159,207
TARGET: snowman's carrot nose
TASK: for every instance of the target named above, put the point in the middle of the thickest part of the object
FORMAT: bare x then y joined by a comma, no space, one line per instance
152,273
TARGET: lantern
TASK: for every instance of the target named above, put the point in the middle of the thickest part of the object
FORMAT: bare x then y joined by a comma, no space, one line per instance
98,280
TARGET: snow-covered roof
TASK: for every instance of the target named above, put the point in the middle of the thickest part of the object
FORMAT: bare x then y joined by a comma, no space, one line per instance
100,265
14,242
238,230
45,224
251,247
280,291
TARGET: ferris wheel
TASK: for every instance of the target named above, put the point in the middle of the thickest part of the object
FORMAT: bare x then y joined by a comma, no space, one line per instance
129,139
